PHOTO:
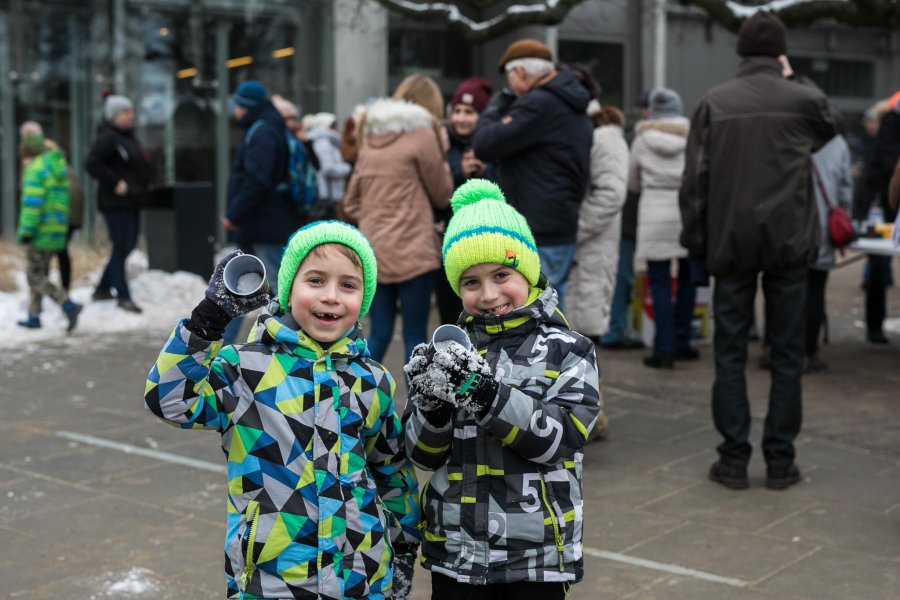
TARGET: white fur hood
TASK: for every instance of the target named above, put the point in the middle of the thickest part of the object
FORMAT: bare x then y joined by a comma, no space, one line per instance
665,137
395,116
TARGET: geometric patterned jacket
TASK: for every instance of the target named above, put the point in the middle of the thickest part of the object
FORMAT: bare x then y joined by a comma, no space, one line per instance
315,461
505,501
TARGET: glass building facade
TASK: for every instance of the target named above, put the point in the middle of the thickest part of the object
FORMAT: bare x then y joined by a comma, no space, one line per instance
178,60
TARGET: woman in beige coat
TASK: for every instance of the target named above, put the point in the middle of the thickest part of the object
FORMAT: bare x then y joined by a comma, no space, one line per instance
401,173
593,277
657,162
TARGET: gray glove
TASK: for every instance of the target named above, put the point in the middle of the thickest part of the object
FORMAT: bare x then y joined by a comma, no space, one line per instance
232,304
455,375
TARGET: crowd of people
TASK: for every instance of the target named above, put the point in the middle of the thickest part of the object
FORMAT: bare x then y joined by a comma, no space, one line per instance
533,255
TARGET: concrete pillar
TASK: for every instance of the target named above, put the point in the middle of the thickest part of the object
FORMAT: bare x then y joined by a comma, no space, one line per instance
223,144
360,46
8,156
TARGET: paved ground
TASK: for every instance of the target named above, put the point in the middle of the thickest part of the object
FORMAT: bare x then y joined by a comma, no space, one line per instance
92,505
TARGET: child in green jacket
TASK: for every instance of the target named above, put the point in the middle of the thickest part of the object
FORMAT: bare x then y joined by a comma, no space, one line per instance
320,494
44,226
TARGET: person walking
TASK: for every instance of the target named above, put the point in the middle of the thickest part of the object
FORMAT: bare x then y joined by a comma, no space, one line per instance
333,170
657,163
593,277
538,132
122,168
746,208
43,225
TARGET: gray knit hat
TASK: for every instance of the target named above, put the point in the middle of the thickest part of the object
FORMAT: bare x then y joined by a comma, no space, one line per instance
114,105
664,103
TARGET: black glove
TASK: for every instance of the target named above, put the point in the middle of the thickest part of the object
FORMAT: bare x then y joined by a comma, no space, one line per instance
232,304
404,568
25,240
436,411
502,101
458,376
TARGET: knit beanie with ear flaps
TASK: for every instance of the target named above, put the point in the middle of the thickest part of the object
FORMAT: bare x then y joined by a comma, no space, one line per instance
485,229
327,232
763,34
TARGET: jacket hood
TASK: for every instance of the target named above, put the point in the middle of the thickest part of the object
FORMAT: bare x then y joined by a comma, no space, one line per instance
324,133
569,90
541,308
264,112
664,136
281,328
55,162
395,116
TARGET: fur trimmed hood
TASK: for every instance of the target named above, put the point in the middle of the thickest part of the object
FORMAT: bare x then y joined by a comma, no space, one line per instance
664,136
395,116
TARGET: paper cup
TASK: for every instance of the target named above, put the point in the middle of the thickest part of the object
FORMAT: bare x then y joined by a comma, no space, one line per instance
245,275
445,334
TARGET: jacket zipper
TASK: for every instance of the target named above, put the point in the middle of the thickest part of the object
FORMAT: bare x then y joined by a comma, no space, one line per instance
560,546
252,520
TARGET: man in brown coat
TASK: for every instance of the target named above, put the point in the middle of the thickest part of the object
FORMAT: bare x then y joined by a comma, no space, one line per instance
746,208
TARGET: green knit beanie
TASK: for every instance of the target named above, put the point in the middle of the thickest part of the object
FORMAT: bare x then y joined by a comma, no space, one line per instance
485,229
327,232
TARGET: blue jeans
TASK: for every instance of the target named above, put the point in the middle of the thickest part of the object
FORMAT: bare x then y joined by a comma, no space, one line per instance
123,227
415,305
556,262
618,316
673,325
270,255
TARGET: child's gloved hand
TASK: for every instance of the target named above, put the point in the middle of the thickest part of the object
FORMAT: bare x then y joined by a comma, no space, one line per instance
404,568
437,411
232,304
458,376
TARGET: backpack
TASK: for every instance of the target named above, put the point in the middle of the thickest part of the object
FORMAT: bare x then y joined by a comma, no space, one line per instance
300,185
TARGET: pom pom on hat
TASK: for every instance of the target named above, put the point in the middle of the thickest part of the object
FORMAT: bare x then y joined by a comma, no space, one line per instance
327,232
485,229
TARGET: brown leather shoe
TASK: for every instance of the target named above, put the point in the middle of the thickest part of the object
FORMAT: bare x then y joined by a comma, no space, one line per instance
130,306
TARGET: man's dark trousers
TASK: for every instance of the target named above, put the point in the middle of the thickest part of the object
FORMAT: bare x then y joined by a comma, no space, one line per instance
785,296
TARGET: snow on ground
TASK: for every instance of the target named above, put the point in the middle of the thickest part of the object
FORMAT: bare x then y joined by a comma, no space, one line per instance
165,298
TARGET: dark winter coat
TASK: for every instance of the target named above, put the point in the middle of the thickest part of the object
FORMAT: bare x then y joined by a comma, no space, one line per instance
505,501
543,154
746,196
118,155
258,203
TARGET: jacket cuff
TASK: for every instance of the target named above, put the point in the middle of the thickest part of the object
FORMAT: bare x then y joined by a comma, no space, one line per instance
208,320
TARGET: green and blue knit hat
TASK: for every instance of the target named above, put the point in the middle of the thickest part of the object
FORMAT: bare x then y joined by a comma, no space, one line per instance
485,229
327,232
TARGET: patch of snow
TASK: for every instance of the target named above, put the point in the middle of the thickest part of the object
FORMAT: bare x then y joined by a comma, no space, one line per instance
742,10
136,581
164,297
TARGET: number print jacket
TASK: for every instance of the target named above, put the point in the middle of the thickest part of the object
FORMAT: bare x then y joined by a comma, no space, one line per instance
316,468
505,503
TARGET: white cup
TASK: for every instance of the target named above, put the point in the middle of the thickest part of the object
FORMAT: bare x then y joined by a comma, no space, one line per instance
445,334
245,275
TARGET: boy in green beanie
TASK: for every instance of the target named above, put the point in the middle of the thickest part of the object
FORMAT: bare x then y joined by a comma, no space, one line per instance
322,501
502,424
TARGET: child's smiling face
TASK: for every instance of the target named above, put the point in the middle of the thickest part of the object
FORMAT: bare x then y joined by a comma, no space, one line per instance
327,293
492,289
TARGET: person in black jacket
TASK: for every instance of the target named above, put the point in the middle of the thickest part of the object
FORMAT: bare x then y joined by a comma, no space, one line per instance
539,134
747,207
122,168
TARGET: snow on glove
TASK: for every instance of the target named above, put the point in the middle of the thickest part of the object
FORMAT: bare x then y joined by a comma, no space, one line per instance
459,376
232,304
435,410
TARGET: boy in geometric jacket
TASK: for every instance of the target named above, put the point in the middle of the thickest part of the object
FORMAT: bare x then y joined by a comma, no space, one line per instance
44,225
501,425
320,494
